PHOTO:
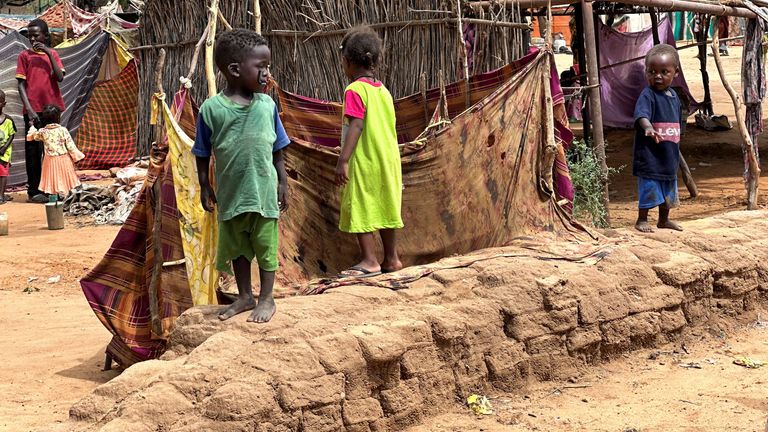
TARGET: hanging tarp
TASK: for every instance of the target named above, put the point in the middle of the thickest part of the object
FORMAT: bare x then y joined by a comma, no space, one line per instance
622,85
82,63
471,178
107,133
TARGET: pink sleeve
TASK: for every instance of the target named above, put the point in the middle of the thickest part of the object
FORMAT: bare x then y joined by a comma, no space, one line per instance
353,105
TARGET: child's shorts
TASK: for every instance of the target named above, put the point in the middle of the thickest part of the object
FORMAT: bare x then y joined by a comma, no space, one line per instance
249,235
4,169
653,193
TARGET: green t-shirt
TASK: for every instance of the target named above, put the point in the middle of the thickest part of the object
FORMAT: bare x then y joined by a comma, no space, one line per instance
242,140
7,130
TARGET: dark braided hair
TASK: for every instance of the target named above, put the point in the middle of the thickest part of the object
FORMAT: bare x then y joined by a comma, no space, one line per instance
233,45
662,50
43,26
51,114
362,46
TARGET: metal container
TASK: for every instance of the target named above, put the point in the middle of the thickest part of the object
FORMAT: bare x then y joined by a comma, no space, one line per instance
54,211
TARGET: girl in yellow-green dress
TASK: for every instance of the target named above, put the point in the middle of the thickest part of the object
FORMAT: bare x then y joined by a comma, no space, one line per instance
369,168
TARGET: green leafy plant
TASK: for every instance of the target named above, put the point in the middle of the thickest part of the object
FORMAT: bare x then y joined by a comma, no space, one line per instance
587,184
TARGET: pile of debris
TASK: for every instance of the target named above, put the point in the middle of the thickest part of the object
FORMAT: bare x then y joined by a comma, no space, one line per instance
109,204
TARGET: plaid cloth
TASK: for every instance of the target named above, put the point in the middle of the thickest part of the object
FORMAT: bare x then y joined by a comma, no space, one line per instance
107,134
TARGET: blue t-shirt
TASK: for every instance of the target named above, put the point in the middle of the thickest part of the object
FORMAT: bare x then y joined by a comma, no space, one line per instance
651,160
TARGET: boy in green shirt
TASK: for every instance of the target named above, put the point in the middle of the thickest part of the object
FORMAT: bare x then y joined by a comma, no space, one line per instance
241,128
7,132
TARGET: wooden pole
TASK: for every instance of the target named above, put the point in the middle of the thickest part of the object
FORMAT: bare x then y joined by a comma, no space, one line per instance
690,184
585,114
655,26
157,225
257,15
595,107
701,38
465,55
66,18
748,147
210,72
196,53
550,149
710,8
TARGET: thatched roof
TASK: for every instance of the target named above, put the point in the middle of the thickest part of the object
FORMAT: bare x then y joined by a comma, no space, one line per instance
305,36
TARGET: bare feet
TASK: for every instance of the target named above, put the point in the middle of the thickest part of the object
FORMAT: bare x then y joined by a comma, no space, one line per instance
391,266
239,306
264,311
643,226
668,224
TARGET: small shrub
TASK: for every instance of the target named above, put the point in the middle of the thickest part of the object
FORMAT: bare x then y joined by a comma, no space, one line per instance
587,184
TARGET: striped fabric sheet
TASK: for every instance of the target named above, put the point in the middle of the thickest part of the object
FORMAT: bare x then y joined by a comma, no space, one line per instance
82,63
319,122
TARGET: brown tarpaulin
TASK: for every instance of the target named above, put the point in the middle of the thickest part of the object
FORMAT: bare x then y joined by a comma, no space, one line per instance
470,182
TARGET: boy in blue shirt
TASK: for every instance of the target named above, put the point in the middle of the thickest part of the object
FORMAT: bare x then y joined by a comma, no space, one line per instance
657,139
241,128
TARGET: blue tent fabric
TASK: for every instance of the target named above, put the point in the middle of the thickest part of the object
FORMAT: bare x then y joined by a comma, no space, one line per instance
82,63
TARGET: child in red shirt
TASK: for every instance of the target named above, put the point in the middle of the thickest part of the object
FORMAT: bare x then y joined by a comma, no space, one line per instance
39,71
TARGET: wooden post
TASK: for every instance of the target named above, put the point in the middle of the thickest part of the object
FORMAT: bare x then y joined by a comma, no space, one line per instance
701,37
655,26
748,147
257,15
196,53
585,115
690,184
465,55
157,225
550,148
66,18
210,72
595,107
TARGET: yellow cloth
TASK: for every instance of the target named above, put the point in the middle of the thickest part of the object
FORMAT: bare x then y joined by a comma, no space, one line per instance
199,231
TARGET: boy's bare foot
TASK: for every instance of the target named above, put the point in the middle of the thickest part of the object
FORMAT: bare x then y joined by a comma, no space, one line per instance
643,226
239,306
391,266
668,224
264,311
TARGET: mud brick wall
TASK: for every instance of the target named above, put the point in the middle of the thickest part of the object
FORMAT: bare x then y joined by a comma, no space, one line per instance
369,359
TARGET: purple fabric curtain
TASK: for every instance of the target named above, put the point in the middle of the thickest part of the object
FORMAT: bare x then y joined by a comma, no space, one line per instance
621,85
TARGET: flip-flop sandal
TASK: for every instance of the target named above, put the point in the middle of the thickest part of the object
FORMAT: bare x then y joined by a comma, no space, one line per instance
365,273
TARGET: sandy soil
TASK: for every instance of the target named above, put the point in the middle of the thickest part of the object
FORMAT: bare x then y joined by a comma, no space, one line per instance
638,393
53,344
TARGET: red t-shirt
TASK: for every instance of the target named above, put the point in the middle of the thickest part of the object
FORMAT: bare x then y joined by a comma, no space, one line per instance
42,87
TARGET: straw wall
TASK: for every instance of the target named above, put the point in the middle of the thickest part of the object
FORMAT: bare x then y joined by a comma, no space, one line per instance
309,63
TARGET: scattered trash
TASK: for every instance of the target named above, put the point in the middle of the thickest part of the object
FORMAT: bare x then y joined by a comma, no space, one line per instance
690,402
748,363
631,430
30,290
690,365
585,400
54,279
656,354
705,164
685,349
32,279
759,324
710,361
479,404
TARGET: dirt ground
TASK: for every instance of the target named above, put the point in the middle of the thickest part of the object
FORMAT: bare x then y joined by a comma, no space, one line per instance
646,391
53,344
